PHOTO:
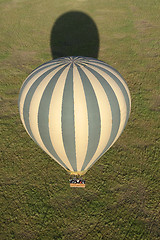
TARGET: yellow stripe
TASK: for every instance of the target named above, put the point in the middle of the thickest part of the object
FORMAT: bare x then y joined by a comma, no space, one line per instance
33,110
25,91
119,96
55,114
81,119
118,76
105,114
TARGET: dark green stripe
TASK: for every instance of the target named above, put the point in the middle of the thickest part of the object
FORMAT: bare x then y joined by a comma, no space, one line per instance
95,61
68,132
125,94
115,109
43,114
113,104
36,71
29,98
94,123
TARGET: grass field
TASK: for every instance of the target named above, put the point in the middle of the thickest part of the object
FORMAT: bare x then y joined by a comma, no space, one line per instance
122,194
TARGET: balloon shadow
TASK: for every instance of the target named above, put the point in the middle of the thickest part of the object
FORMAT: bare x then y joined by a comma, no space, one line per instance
74,34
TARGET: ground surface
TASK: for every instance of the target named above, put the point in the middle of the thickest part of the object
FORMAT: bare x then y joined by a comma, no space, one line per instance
121,198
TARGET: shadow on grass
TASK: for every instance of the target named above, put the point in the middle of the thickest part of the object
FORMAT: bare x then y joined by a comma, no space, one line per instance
74,34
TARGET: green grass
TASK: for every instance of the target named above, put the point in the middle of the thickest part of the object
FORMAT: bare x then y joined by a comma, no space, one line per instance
123,202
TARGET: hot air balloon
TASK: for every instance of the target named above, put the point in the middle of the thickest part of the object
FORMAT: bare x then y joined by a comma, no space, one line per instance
74,108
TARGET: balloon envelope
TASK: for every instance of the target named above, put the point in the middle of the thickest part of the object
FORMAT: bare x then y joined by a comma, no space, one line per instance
74,108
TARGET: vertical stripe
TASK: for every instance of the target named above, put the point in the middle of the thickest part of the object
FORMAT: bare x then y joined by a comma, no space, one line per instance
43,114
55,117
34,107
94,125
28,98
121,110
118,75
68,132
81,119
122,96
116,100
120,81
105,114
40,69
25,91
